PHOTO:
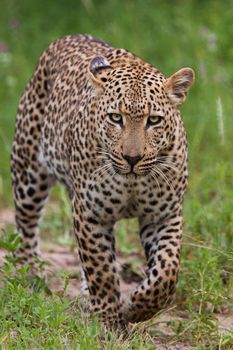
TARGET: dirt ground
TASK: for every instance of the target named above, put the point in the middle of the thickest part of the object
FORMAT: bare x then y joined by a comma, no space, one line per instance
60,260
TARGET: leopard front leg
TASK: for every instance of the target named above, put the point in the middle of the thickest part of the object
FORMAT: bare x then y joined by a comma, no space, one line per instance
162,244
96,245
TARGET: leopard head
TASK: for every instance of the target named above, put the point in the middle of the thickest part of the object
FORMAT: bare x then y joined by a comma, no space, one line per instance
137,112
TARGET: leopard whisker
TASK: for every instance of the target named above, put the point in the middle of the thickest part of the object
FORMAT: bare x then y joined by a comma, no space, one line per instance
168,165
166,157
103,152
155,177
110,170
163,176
102,169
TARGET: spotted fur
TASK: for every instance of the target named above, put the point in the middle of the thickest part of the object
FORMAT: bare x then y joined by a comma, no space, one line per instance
106,125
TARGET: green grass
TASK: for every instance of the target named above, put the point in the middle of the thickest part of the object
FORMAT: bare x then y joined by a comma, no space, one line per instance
170,35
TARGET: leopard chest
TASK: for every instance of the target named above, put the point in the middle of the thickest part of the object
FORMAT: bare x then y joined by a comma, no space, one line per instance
110,199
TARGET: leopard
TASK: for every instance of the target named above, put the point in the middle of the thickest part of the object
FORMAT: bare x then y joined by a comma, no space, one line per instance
107,125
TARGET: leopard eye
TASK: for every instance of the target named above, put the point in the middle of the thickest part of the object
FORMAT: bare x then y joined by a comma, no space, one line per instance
154,120
115,118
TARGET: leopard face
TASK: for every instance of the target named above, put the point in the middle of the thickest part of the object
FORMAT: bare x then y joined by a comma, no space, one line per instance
138,116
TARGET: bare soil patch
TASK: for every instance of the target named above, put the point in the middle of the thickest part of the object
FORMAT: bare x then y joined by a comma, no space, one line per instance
6,217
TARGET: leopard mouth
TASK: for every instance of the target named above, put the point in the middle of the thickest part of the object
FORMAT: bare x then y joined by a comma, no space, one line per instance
120,167
130,172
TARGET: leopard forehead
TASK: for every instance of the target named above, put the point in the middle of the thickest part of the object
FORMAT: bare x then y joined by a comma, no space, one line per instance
135,90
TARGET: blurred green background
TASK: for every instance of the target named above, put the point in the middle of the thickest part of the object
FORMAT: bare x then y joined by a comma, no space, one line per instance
170,35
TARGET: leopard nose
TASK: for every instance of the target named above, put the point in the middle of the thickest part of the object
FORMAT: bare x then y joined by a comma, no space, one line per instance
132,160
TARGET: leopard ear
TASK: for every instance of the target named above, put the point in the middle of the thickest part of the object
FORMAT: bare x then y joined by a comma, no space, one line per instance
99,69
178,85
